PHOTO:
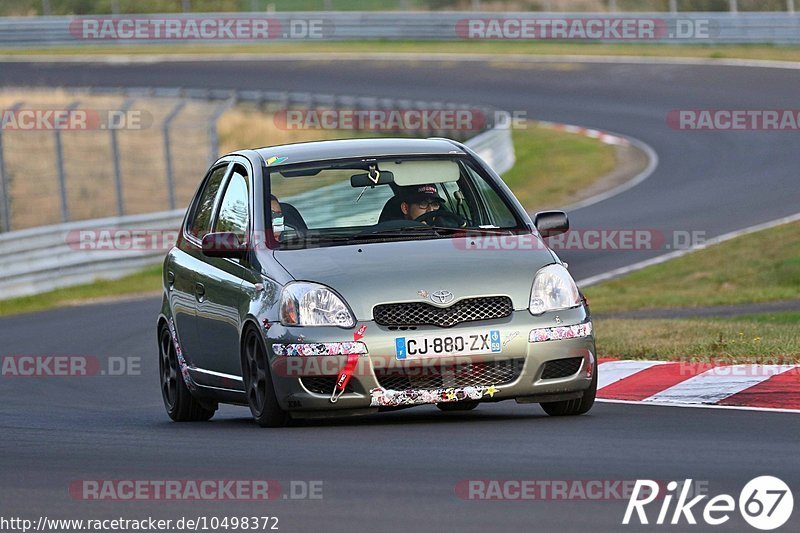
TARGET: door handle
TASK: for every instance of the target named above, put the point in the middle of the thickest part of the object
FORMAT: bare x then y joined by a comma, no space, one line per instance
171,279
199,291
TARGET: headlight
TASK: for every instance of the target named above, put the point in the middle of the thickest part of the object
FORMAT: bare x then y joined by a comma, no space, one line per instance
312,304
553,289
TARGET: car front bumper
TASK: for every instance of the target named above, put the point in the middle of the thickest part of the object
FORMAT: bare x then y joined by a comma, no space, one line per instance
306,361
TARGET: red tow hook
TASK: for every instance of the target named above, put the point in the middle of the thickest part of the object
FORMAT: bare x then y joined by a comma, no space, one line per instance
344,376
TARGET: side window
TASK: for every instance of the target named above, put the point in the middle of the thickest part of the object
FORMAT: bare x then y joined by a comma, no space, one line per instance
234,213
200,223
499,213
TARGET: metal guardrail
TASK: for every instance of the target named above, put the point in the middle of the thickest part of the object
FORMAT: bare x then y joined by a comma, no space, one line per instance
44,258
699,28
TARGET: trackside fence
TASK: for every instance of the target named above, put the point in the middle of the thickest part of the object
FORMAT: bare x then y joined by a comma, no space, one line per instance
43,258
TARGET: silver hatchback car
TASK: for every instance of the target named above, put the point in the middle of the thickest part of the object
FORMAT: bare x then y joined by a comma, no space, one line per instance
348,277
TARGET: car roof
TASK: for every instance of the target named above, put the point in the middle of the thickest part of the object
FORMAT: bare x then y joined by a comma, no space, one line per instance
350,148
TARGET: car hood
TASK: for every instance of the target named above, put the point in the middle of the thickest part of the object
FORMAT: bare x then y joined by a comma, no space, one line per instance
370,274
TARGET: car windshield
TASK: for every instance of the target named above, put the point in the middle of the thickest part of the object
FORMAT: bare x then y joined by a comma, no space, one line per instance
330,203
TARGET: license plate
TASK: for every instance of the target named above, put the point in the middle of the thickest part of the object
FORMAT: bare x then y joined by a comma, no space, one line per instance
422,346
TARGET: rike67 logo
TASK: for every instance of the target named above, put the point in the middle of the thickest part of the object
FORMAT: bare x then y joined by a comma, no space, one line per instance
765,503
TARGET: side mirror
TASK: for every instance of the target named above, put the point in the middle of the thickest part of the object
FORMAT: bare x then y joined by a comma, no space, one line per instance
223,244
550,223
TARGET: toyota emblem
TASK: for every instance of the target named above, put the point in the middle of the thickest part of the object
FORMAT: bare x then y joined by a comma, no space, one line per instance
442,297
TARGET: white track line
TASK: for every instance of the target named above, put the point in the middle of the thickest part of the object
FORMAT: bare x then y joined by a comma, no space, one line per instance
718,383
702,406
652,164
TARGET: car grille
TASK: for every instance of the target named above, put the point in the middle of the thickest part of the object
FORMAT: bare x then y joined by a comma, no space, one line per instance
453,376
324,384
561,368
423,314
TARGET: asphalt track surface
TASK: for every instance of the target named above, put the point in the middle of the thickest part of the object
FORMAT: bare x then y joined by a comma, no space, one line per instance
399,471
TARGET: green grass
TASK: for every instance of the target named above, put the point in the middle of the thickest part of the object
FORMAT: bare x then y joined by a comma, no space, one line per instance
553,167
770,338
143,282
759,267
755,51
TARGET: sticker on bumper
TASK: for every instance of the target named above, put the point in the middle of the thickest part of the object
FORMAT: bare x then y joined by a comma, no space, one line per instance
319,348
393,398
561,332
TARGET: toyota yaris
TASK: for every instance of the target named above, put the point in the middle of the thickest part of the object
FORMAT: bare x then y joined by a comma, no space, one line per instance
348,277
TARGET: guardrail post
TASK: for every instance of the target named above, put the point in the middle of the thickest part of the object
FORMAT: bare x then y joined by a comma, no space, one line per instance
186,5
115,7
168,151
612,6
212,127
5,224
115,158
790,6
5,205
673,6
62,174
733,6
46,8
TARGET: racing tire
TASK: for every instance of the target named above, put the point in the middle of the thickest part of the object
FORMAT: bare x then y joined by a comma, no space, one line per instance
457,406
578,406
181,406
258,384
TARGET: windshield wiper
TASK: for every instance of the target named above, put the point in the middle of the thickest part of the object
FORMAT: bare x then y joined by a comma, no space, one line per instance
403,230
488,231
422,230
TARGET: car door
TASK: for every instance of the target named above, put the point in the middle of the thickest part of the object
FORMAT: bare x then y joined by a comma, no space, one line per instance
187,259
223,304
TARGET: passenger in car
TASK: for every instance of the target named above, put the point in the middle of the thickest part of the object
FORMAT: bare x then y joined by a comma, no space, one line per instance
277,217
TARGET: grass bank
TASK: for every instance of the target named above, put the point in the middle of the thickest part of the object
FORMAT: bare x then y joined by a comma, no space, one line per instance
532,48
760,267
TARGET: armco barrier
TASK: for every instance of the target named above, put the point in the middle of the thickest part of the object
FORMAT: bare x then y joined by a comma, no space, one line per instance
695,27
41,259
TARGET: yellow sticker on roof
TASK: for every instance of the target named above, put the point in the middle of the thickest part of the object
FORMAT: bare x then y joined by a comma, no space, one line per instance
275,160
